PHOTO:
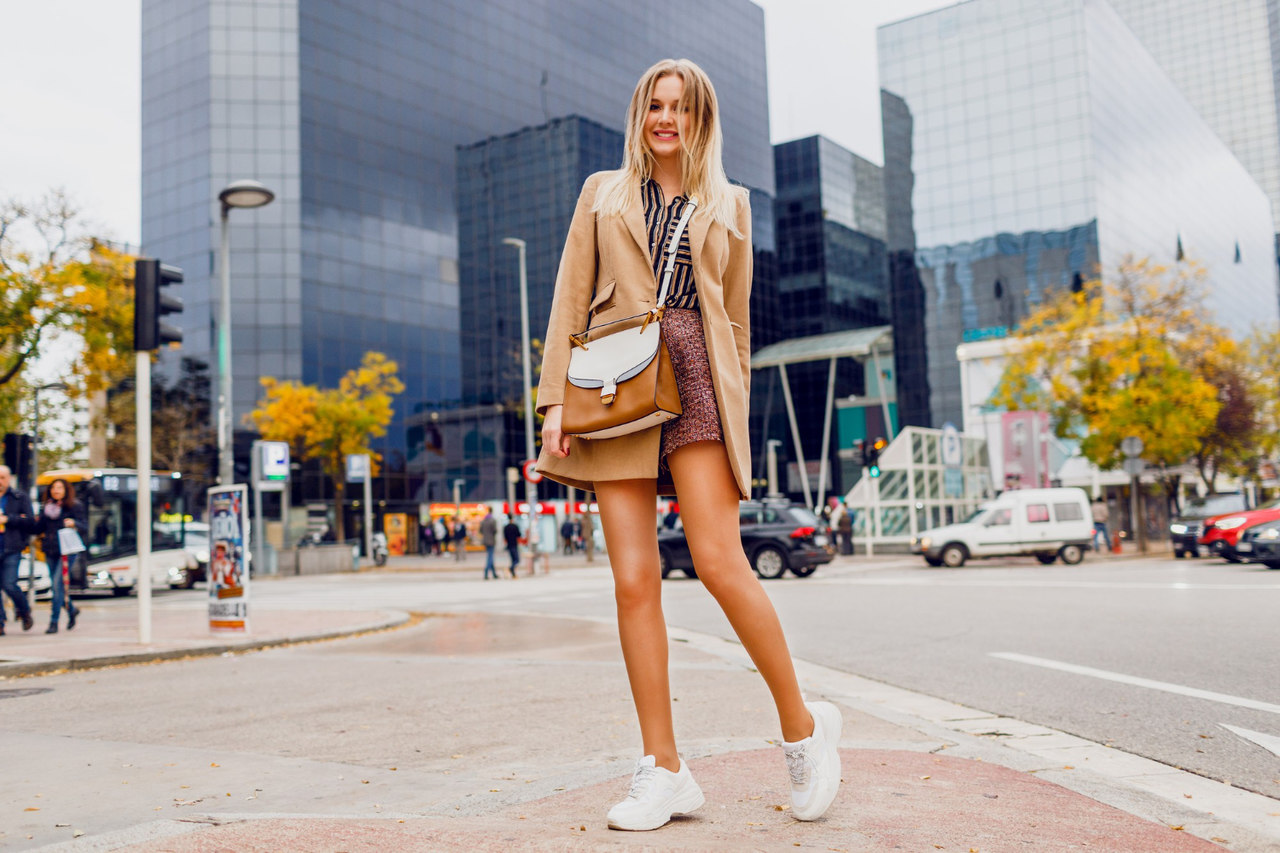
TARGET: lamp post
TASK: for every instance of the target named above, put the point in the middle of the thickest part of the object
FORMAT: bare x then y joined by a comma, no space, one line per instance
236,194
530,487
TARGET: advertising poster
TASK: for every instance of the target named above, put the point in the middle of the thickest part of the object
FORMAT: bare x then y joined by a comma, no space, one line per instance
396,526
228,560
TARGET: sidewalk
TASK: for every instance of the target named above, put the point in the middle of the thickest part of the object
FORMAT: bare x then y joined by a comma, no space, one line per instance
108,636
550,741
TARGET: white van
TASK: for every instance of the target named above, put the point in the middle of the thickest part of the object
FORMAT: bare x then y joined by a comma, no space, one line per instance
1049,523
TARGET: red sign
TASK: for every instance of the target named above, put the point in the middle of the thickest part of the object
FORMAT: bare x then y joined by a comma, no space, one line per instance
529,474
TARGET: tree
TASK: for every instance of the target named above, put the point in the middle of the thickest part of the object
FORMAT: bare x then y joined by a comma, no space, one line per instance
1127,356
329,424
182,434
1263,377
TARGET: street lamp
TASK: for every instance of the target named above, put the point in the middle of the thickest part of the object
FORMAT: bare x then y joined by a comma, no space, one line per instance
235,194
530,488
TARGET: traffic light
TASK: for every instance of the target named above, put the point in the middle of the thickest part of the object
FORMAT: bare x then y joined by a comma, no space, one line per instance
871,456
17,456
150,332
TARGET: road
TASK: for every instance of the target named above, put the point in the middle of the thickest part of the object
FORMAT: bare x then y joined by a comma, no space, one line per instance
1174,660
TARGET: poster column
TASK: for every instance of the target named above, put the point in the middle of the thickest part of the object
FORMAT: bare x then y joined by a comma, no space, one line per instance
228,559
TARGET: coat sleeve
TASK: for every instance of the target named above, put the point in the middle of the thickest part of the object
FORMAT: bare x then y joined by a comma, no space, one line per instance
737,289
574,284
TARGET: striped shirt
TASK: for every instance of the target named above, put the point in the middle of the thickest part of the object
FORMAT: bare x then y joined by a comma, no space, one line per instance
661,219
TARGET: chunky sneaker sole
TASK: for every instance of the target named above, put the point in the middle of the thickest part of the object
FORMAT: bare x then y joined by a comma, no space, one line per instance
639,816
824,752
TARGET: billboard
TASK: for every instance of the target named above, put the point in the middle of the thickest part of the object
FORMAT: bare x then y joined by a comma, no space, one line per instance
229,559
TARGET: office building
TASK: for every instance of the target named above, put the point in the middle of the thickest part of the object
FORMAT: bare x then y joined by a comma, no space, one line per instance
832,277
1224,55
353,113
1039,144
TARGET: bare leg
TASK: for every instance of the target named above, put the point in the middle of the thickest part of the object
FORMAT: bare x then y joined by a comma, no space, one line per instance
627,515
709,506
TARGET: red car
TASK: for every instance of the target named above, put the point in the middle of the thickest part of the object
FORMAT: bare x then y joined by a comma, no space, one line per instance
1222,532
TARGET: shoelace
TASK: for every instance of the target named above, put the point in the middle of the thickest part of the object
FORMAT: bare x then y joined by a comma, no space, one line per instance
797,766
640,782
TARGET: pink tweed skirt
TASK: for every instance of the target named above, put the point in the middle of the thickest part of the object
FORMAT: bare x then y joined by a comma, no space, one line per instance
700,420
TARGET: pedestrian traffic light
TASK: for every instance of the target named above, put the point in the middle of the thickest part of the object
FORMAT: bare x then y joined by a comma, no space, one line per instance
872,456
150,332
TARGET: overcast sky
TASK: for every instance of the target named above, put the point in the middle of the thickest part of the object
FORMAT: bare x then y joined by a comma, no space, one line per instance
70,108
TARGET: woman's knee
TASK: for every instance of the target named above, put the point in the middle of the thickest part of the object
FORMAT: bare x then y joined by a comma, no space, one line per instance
637,586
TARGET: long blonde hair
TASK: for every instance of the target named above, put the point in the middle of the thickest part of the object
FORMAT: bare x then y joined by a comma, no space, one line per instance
700,150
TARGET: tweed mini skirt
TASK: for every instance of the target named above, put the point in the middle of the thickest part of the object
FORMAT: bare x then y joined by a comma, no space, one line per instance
700,419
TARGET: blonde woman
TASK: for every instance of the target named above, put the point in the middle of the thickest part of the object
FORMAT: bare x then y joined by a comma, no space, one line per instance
616,246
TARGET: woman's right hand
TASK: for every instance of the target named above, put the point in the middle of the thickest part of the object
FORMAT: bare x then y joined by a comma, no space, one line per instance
555,441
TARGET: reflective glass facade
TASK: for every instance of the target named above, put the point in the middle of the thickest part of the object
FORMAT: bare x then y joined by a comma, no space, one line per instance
832,276
1030,144
1222,55
353,113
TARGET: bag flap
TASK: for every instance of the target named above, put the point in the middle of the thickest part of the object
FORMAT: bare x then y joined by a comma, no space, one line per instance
614,358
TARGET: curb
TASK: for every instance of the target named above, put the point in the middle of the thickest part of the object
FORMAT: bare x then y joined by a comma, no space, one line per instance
48,667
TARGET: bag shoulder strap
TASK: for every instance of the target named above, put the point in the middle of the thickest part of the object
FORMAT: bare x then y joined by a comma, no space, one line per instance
672,247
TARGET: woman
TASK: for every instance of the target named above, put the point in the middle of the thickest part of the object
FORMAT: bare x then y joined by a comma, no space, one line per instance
59,510
615,248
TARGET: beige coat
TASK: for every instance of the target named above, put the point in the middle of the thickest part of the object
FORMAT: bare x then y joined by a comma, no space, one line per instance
606,272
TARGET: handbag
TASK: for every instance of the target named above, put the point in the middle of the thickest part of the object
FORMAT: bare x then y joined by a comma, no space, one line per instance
620,378
69,541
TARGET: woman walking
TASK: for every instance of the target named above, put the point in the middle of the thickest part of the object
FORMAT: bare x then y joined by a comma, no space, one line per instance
60,510
615,249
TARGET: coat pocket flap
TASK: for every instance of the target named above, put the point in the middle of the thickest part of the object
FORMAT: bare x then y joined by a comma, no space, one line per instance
602,296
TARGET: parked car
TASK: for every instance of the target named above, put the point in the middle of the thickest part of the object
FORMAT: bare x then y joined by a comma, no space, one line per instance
44,585
1261,544
1186,529
1047,523
1222,532
777,536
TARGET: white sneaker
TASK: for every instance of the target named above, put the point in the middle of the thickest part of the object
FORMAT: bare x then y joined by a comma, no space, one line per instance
814,763
656,794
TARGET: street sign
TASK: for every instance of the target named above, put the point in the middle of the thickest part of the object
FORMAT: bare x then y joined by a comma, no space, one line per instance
529,473
357,467
275,460
1131,446
1134,467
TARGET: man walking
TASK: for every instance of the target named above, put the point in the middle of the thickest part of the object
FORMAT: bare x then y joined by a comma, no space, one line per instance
489,538
511,535
1101,515
16,524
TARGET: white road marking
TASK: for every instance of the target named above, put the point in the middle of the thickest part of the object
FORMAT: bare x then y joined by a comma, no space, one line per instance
1270,743
1167,687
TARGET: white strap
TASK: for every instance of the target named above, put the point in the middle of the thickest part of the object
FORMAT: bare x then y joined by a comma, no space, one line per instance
672,247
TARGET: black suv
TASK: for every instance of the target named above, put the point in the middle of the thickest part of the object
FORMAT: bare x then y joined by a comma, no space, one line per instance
777,535
1185,530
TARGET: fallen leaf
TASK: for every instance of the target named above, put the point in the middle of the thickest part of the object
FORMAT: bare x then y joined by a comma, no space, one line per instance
364,781
1177,828
781,808
77,833
393,768
214,764
1068,767
1219,840
31,809
456,756
922,778
61,824
1188,796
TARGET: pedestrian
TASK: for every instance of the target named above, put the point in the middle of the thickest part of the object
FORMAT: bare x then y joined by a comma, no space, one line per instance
442,537
459,538
511,535
1101,515
607,272
489,538
427,538
844,525
566,537
59,511
17,523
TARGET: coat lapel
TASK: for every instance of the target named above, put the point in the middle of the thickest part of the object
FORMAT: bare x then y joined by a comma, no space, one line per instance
698,228
634,217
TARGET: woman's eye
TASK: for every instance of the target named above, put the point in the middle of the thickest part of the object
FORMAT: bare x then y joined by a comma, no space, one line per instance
654,108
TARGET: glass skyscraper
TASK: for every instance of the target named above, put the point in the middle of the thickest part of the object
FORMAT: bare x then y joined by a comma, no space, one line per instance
832,277
352,112
1039,143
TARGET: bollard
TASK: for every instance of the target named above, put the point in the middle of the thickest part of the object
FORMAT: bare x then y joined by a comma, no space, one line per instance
1115,542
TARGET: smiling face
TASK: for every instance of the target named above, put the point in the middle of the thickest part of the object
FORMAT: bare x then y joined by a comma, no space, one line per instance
57,490
666,122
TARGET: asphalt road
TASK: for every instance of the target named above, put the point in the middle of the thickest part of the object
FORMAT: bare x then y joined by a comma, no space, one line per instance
1156,657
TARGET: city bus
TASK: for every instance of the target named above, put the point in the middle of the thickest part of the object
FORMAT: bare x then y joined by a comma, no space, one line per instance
111,495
